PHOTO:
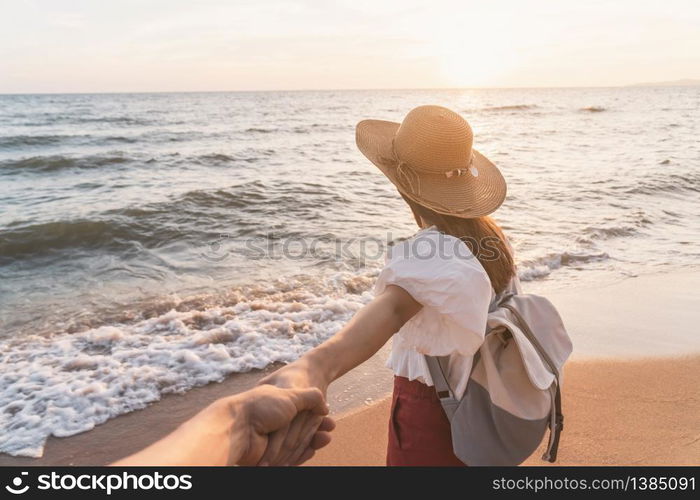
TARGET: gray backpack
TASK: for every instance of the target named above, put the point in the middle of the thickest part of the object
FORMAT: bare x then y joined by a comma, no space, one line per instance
514,390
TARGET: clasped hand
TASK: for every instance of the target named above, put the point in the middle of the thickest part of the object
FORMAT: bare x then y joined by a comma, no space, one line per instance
296,441
266,425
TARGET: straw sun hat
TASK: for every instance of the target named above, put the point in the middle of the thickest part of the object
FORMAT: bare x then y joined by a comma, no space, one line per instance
429,158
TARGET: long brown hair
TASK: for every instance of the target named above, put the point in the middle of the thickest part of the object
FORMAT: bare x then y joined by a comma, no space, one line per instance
482,235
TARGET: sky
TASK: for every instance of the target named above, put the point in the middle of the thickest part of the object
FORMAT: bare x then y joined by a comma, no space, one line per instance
209,45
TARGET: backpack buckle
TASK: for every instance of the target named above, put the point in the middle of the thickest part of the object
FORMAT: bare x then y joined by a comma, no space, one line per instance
444,394
559,422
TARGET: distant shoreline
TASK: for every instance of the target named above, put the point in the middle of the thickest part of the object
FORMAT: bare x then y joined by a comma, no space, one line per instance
683,82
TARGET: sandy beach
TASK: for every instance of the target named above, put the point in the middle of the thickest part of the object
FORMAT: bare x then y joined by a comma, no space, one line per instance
617,413
641,409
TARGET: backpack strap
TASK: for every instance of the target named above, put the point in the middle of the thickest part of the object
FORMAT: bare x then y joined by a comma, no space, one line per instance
438,366
556,424
555,432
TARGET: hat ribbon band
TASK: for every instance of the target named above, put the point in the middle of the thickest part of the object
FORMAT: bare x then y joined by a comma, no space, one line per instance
458,172
403,169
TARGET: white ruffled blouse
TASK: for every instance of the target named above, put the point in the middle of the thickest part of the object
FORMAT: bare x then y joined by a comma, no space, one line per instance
441,273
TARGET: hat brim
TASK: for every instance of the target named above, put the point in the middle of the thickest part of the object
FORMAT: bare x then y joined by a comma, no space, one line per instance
465,196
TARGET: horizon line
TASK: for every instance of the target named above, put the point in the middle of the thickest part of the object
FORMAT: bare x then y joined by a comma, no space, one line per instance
108,92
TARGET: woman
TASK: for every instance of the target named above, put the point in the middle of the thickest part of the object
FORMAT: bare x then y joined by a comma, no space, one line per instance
435,290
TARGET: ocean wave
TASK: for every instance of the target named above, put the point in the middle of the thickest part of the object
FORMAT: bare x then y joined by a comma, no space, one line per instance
604,233
59,162
69,383
109,120
192,218
259,130
118,139
534,269
255,196
233,197
48,237
24,141
16,141
512,107
633,222
216,158
39,238
671,183
55,163
249,156
593,109
48,118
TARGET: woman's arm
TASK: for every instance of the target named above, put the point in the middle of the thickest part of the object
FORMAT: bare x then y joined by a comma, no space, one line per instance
356,342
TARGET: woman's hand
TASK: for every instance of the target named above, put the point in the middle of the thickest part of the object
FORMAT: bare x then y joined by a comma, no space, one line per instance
297,442
301,374
291,444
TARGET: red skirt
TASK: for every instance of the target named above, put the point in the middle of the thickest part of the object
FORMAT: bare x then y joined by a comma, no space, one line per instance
419,432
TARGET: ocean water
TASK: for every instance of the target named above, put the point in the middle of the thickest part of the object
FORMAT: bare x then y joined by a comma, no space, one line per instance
150,243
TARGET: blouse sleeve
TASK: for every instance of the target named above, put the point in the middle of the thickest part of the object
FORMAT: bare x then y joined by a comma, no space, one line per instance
453,289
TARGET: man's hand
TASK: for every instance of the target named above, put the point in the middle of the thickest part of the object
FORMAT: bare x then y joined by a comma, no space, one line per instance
235,430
